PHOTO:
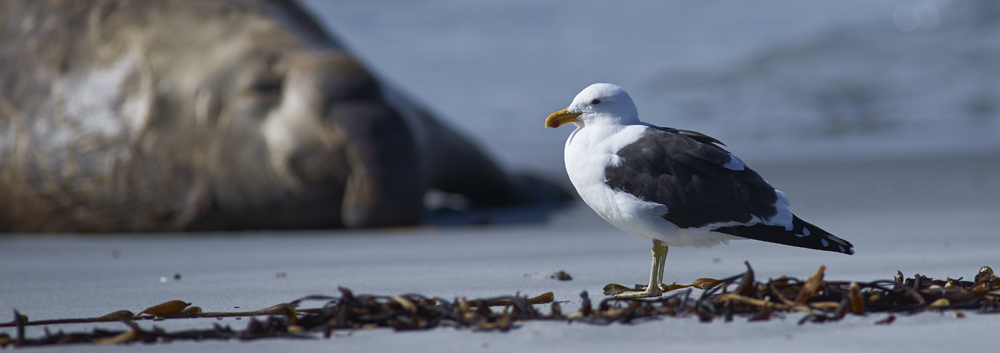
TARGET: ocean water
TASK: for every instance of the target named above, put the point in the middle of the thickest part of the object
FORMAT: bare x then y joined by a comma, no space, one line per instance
778,80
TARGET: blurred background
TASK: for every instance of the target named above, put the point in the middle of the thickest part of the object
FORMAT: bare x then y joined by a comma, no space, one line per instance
778,81
885,104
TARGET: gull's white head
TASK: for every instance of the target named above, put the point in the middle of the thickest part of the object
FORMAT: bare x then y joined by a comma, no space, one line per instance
599,103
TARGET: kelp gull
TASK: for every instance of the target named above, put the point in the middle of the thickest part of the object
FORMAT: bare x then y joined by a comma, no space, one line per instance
675,187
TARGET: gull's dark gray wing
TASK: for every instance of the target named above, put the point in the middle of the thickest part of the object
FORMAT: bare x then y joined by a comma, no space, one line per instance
702,184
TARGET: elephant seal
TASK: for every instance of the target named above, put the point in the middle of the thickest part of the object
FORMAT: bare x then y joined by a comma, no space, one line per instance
177,115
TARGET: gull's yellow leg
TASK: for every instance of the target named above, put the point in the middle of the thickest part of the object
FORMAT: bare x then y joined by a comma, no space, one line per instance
662,252
655,274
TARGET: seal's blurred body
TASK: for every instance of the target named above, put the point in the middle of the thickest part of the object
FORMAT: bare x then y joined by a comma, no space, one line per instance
209,115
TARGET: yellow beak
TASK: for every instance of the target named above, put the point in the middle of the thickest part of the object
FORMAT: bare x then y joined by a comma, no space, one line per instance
561,118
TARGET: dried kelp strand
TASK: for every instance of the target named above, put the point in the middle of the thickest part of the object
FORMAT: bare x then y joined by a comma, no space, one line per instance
747,285
813,285
170,307
856,299
740,295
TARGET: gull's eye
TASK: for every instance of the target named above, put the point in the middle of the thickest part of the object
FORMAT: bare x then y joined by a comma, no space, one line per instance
595,102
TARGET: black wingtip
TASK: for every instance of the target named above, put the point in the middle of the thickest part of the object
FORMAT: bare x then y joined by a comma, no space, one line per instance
803,235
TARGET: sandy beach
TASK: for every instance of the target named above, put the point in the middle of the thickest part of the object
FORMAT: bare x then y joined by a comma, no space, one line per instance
879,206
